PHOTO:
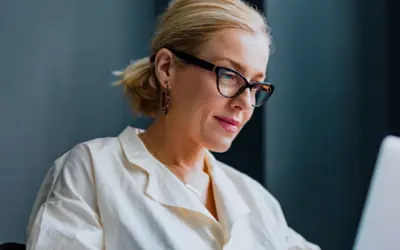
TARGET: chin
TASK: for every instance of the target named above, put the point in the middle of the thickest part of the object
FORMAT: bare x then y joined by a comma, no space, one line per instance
216,139
220,146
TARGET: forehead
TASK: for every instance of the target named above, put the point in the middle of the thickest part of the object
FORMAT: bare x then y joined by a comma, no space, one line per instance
250,50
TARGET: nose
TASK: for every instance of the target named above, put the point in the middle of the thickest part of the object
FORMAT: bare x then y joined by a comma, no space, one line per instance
244,101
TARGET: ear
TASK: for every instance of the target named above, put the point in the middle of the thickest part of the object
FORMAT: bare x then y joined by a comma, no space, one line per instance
164,65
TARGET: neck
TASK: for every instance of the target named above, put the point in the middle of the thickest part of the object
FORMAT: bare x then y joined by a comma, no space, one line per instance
172,147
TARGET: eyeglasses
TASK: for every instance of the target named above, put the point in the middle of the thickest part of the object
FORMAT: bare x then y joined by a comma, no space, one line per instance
231,83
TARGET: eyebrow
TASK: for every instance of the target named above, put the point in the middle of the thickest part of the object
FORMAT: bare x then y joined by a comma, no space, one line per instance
238,67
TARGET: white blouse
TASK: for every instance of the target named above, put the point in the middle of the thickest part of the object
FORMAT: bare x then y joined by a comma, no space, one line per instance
111,193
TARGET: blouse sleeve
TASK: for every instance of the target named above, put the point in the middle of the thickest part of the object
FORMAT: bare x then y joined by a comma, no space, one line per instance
68,217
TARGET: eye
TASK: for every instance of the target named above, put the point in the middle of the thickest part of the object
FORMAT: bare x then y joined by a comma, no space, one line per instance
229,78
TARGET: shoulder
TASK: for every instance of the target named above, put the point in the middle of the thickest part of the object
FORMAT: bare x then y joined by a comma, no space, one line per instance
96,146
98,156
85,151
78,162
71,173
77,168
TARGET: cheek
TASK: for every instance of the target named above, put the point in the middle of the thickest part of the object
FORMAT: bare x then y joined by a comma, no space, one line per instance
195,91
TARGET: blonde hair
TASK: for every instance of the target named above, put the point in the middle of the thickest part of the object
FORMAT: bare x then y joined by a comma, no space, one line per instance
185,26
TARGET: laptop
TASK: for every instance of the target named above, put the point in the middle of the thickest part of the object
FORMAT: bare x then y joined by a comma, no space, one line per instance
379,227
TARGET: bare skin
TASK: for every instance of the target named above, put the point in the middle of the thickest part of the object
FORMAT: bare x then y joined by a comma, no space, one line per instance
181,137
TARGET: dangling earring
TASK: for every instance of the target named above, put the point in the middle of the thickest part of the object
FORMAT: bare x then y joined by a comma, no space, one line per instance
165,100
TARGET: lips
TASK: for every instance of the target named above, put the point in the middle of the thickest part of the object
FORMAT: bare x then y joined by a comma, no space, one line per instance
229,124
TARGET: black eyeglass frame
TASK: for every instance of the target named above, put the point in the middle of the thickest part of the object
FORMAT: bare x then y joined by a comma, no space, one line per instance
215,68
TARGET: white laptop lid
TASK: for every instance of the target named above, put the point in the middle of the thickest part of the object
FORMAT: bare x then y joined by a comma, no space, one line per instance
379,227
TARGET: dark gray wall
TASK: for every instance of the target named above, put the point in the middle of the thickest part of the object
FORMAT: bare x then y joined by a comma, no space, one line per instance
56,59
393,19
328,114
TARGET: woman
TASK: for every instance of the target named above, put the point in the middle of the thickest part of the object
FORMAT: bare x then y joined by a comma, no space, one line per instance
161,188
